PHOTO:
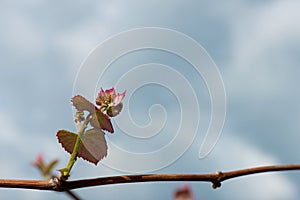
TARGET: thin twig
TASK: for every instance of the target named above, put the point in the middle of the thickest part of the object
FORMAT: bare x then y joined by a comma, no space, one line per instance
72,194
215,178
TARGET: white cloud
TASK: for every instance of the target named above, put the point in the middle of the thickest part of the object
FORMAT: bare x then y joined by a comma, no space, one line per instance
20,34
255,33
77,43
263,59
258,33
8,131
234,153
258,76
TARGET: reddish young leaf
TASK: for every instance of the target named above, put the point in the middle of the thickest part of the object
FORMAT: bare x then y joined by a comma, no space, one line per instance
92,147
67,140
45,169
82,104
114,110
50,167
101,121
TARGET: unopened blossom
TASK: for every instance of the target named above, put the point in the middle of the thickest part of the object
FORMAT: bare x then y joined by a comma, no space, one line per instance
39,161
184,193
110,101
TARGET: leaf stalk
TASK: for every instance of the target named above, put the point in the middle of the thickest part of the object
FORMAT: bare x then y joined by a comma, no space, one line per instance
65,172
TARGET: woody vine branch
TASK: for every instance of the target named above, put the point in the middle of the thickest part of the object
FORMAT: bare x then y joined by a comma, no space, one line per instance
58,184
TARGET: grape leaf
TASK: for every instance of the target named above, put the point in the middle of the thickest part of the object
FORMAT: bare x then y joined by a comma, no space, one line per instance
92,148
95,147
82,104
67,140
101,121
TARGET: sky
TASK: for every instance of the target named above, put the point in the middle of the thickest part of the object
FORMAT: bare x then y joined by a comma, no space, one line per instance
254,44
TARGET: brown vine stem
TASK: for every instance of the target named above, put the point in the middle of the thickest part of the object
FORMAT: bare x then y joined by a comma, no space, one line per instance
215,178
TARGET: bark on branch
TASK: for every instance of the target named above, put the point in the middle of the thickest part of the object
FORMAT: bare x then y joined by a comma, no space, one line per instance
56,184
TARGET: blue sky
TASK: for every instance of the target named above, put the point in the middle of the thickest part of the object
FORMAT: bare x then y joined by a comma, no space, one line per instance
255,44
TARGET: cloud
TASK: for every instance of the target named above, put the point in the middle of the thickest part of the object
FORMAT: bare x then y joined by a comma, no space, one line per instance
232,153
239,154
8,132
259,38
20,34
261,76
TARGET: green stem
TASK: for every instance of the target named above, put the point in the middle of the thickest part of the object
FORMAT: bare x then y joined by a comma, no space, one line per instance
65,172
